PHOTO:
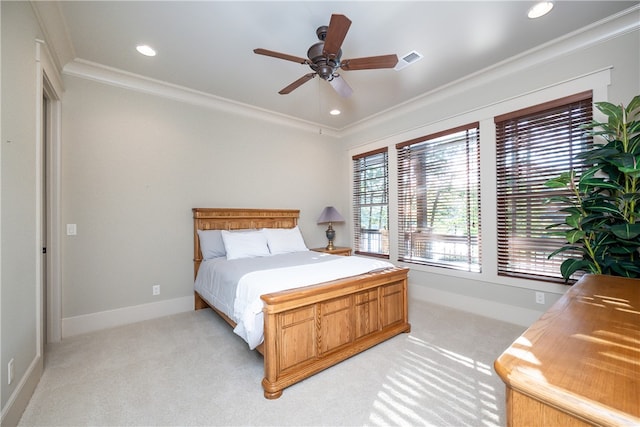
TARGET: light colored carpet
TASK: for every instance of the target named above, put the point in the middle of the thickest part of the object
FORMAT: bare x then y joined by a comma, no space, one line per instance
190,369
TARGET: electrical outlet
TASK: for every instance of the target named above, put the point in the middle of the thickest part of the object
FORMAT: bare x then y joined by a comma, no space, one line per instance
539,297
10,372
156,289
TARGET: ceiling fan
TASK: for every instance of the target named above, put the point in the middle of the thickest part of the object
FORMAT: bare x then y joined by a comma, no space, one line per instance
324,58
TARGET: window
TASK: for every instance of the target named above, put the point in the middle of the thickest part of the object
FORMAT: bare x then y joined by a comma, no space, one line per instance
533,146
439,199
371,203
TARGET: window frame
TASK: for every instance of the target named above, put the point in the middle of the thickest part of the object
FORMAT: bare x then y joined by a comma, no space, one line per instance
382,232
512,247
411,242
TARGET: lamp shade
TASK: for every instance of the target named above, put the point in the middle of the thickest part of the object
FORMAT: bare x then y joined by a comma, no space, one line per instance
330,214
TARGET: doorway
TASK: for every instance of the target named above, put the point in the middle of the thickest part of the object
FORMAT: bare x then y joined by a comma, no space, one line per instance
49,210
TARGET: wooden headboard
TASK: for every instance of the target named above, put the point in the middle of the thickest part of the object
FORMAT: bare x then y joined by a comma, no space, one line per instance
237,219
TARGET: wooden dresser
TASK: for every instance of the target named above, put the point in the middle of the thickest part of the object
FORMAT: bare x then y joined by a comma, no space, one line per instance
579,364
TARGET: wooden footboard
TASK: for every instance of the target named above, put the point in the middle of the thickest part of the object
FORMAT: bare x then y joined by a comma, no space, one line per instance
310,329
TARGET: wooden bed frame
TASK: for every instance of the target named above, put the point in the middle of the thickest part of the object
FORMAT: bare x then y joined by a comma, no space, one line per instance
311,328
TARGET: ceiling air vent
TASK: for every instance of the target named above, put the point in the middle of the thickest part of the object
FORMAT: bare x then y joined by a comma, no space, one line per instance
408,59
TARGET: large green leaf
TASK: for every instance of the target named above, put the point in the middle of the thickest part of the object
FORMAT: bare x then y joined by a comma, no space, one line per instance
584,184
625,251
634,140
570,266
573,220
571,210
556,183
629,197
565,249
624,269
574,236
633,109
605,208
602,241
560,181
626,163
598,153
561,199
633,171
612,111
626,231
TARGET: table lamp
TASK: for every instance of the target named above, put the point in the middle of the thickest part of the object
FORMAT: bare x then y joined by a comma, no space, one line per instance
330,215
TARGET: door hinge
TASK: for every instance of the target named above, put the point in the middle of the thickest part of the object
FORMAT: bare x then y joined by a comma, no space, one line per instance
44,250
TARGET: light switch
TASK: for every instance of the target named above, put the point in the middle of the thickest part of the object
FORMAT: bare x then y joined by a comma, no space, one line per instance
71,230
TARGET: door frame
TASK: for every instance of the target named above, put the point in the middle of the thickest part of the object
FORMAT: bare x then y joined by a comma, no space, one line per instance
49,84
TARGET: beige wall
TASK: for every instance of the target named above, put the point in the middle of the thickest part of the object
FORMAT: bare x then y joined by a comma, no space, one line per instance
19,315
133,166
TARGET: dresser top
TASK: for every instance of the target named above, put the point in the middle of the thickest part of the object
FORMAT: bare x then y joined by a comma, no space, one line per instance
583,355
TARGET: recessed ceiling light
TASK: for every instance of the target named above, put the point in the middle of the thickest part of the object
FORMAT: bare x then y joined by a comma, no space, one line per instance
146,50
334,112
540,9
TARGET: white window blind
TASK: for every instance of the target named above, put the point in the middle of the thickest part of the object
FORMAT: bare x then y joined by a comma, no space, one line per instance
439,199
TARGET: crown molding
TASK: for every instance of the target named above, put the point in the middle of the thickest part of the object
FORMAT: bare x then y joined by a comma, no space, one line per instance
55,31
51,72
609,28
116,77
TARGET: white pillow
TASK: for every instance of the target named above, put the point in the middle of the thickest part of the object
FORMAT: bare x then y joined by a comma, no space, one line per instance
284,240
211,244
245,245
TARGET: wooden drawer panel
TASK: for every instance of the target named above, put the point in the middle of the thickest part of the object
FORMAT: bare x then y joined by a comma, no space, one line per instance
365,296
300,315
298,337
335,323
366,313
392,304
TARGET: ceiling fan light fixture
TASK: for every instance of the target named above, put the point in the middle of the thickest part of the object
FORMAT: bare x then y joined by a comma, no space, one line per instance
540,9
324,58
146,50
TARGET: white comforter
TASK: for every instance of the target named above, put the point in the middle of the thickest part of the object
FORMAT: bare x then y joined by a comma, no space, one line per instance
271,274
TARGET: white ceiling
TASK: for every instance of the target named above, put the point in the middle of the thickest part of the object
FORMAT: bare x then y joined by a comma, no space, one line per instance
208,45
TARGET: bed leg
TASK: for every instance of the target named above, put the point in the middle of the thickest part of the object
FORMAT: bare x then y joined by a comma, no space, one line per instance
271,395
199,303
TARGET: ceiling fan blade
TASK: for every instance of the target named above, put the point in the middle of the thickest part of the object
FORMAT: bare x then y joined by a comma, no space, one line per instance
370,62
338,27
302,80
279,55
341,86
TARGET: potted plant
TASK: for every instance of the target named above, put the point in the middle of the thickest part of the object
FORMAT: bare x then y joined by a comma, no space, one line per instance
602,223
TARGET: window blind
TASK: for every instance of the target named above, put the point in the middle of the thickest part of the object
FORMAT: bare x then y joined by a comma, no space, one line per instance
371,203
533,146
439,199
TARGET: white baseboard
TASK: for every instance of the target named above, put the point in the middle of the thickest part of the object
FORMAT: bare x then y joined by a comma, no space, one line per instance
494,310
123,316
17,402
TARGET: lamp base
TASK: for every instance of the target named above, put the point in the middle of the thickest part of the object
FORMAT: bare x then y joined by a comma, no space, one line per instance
331,234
